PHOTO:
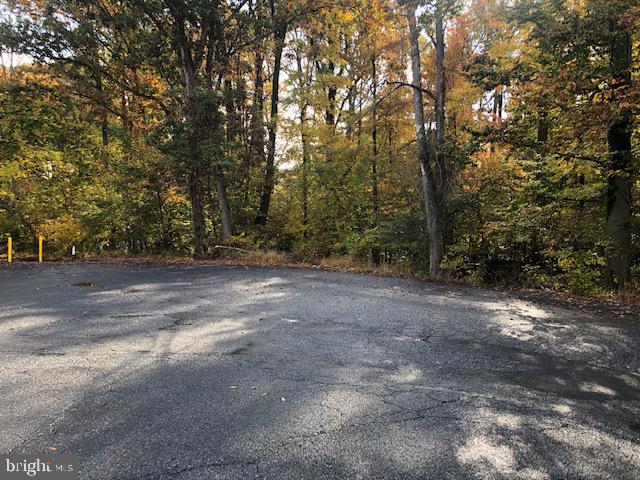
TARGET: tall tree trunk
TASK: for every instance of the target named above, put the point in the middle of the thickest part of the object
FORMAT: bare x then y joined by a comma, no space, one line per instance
257,112
620,179
127,124
303,84
351,108
270,170
104,127
195,174
498,99
305,174
332,92
225,210
431,169
374,141
233,120
375,251
104,119
441,97
102,100
233,132
197,212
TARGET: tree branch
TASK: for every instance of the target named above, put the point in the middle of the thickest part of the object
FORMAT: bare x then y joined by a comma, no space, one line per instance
429,93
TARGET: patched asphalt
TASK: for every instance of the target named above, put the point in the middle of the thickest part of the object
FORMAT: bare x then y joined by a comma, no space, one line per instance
194,372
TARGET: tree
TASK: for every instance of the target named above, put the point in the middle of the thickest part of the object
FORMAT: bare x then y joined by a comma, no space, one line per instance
583,65
280,33
622,174
431,154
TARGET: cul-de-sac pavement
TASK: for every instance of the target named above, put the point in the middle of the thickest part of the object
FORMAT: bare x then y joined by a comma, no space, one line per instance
154,371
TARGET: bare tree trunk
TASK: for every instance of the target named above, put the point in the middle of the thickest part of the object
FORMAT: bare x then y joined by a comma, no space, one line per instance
233,120
330,118
269,176
432,171
197,213
104,120
436,250
375,251
441,98
351,108
234,126
225,210
195,173
374,141
305,186
498,99
257,113
303,83
104,127
620,181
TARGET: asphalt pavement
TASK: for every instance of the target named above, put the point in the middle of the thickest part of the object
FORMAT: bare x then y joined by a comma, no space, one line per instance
163,371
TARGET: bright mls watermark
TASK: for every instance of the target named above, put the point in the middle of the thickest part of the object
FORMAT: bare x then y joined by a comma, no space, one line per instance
45,467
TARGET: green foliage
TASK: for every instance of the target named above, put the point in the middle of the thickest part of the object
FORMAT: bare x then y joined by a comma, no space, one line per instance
58,179
134,116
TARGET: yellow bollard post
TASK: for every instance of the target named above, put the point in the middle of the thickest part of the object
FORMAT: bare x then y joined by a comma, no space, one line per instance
10,248
40,239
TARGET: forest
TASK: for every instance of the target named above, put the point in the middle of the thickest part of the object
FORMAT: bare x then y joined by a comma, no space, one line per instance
488,141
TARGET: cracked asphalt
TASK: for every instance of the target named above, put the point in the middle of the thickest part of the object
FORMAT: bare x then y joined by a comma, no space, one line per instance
194,372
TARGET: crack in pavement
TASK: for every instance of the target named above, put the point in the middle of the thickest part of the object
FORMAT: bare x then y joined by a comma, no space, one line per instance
396,419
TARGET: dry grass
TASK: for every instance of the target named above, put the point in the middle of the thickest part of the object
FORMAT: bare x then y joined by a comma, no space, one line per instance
344,263
348,263
269,258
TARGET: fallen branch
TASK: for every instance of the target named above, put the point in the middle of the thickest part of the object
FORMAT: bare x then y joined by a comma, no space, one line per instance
233,248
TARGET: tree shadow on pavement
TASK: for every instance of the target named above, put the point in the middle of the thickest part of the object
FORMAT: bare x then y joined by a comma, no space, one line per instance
279,374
